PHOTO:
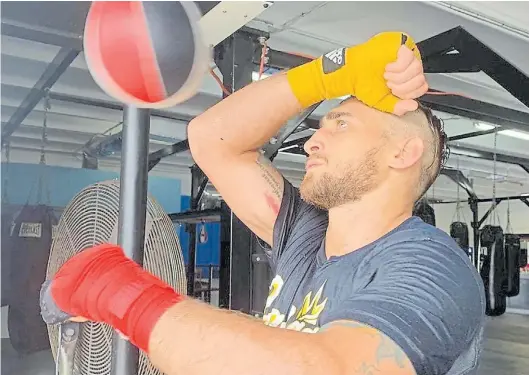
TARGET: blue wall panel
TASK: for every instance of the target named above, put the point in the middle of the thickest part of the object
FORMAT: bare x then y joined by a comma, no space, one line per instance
65,183
208,252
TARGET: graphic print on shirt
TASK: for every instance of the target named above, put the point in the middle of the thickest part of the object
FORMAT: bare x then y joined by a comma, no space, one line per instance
304,319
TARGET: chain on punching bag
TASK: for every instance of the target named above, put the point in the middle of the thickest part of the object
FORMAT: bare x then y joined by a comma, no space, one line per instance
493,268
32,238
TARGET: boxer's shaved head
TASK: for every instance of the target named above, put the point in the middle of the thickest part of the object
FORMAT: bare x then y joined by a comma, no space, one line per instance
358,149
423,124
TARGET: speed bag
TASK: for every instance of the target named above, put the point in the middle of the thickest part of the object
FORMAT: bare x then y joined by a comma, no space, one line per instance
31,238
146,54
459,232
425,212
493,270
512,261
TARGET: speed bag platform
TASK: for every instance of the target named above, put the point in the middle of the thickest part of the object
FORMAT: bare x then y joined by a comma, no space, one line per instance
493,270
31,239
512,262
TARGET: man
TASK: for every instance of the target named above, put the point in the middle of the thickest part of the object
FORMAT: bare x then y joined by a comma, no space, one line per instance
379,291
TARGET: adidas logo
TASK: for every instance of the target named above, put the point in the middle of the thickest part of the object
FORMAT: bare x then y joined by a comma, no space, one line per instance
336,56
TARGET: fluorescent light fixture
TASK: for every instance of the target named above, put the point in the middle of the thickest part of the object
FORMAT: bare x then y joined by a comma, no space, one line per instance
482,126
508,132
524,195
516,134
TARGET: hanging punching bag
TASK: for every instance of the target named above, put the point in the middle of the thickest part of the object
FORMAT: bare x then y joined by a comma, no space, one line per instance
459,232
512,261
7,253
493,270
425,212
31,236
146,54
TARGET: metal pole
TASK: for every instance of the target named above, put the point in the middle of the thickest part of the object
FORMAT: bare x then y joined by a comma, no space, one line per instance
132,212
192,258
475,230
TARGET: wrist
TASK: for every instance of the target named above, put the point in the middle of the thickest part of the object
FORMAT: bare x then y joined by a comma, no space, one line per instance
306,83
136,308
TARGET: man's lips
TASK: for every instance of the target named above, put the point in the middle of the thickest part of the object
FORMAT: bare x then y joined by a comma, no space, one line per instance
313,163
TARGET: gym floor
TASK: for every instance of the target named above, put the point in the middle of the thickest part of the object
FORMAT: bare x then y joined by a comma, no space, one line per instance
506,351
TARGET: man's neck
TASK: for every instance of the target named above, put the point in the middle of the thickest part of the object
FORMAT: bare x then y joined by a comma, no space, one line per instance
357,224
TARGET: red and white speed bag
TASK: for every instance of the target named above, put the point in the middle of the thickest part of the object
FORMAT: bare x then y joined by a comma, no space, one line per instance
146,54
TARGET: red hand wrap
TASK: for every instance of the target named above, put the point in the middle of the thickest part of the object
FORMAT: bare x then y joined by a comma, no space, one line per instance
102,284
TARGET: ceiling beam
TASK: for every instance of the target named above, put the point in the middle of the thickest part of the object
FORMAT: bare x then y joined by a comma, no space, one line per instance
460,179
55,69
477,54
477,110
108,104
487,155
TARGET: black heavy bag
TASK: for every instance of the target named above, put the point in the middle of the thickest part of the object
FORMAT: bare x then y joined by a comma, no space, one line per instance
425,212
7,250
459,232
31,237
512,261
493,270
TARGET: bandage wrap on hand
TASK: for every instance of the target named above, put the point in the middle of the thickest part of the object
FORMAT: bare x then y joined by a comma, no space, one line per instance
356,71
103,285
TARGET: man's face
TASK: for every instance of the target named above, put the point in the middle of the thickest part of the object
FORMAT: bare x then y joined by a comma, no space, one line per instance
345,156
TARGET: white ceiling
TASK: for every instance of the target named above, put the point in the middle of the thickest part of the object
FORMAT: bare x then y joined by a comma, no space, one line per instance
307,27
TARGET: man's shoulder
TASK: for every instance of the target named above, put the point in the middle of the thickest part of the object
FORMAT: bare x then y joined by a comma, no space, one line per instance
414,230
421,244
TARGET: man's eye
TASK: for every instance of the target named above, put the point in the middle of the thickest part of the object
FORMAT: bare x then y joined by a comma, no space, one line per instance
342,124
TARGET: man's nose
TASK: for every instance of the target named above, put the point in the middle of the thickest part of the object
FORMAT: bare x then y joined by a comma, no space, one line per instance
314,144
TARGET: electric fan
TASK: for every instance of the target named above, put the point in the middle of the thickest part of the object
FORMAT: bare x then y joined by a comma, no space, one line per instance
89,219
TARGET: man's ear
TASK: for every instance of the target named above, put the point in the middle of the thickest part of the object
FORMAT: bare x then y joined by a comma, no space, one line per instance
408,152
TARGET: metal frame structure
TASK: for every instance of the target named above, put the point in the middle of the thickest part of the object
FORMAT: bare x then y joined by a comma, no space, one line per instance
477,222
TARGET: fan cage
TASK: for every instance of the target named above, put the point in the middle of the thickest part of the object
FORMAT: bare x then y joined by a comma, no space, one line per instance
91,218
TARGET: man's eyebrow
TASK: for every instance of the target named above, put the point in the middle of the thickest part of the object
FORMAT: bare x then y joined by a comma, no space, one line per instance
335,115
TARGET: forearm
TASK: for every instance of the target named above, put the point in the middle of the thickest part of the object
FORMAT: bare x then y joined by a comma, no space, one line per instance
196,339
245,120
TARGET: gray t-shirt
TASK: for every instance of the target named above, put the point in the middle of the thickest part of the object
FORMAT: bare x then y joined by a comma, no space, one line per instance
414,284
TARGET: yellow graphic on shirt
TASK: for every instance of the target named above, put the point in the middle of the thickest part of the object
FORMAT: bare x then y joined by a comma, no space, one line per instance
303,320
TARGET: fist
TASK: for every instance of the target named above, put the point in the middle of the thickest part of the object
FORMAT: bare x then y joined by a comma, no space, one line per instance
406,80
390,73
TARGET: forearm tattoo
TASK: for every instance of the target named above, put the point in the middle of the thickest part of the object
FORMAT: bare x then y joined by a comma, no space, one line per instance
386,351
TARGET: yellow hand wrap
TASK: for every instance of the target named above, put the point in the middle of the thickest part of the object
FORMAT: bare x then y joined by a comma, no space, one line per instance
356,71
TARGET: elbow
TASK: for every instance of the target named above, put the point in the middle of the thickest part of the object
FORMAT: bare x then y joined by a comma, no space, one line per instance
196,138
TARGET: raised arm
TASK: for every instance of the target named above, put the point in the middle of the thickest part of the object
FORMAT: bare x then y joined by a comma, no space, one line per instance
225,140
225,143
